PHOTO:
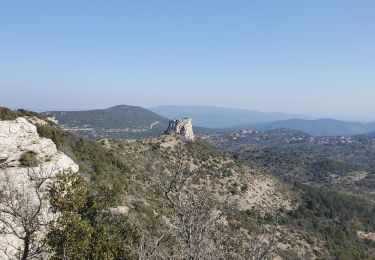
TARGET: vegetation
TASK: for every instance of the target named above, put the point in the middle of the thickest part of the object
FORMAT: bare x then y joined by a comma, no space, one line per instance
345,163
333,176
355,150
336,218
323,168
21,213
7,114
167,198
85,227
29,159
368,181
98,164
114,122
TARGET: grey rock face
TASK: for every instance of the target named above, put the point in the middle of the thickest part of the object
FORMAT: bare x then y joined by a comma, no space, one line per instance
23,189
182,127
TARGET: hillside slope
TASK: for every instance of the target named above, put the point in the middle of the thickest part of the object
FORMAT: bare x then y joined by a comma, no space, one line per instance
246,197
335,177
343,162
185,199
120,121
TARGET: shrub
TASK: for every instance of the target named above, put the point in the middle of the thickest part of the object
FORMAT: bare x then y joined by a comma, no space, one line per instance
7,114
29,159
85,227
23,112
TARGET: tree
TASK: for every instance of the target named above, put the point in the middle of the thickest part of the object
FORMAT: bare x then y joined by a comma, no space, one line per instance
24,212
196,220
86,228
193,219
262,244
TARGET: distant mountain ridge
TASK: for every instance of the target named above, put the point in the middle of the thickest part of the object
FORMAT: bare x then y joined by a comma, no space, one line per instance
318,127
220,117
135,122
232,119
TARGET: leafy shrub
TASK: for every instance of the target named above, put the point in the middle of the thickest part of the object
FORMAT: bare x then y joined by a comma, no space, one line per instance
335,217
86,228
53,133
155,146
7,114
321,169
23,112
97,163
29,159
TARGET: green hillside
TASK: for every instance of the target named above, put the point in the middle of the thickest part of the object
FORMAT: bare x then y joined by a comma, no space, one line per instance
117,122
165,197
137,171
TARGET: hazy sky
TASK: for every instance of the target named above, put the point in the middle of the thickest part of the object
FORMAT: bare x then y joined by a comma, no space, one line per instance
312,57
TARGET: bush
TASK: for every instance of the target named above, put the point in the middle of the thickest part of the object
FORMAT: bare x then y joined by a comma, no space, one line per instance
7,114
85,227
29,159
103,166
23,112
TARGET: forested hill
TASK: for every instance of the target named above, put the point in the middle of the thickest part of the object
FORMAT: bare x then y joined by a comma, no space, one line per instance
120,121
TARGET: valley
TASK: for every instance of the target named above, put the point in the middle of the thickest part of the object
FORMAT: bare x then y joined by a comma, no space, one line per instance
282,187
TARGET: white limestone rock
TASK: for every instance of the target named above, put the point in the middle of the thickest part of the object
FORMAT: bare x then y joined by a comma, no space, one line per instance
182,127
19,136
18,182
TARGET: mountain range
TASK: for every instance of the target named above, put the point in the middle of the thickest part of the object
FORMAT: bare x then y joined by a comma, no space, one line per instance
220,117
125,121
232,118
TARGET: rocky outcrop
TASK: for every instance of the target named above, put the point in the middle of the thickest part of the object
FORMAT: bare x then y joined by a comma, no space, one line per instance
182,127
20,136
23,188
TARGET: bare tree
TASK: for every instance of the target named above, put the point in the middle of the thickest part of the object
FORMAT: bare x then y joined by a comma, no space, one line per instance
261,245
148,245
263,242
193,219
23,213
194,222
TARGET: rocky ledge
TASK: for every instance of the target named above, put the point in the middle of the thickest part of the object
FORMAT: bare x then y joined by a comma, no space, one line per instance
20,136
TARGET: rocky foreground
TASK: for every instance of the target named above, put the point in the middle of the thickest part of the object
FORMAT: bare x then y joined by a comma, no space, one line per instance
28,164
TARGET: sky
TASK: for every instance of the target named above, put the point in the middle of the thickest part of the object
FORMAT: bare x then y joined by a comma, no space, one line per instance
307,57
